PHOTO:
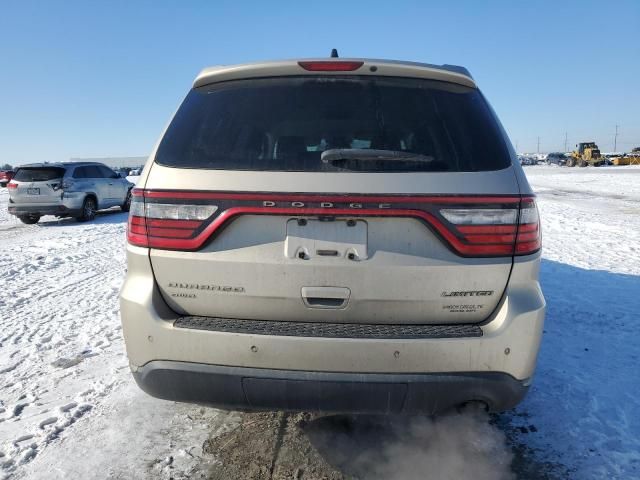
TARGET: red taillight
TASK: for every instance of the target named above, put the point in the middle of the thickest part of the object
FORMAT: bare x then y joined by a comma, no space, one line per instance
12,185
164,225
472,226
483,231
331,66
509,230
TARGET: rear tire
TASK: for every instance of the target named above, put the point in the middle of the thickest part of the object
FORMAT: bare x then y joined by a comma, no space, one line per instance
127,203
89,208
29,219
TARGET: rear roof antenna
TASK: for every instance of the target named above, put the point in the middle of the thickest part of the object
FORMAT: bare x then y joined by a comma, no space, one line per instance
334,53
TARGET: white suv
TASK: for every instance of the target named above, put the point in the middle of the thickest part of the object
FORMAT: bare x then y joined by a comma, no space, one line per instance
334,235
74,189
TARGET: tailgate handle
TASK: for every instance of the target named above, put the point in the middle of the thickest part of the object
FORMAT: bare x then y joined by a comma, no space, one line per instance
325,297
327,253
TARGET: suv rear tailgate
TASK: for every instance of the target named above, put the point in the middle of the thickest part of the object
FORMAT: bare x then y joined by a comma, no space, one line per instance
406,274
37,185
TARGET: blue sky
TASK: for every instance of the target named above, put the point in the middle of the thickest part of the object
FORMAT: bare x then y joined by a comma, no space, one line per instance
102,78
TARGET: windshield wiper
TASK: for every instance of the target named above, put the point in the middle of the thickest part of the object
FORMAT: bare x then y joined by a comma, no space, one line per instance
370,155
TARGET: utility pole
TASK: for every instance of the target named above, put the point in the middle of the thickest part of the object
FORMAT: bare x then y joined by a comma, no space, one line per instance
538,144
565,142
615,140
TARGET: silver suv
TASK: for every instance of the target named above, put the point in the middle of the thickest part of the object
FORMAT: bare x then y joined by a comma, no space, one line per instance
66,190
334,235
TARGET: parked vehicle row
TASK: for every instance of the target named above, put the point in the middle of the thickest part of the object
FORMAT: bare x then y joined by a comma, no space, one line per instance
586,154
525,160
129,172
77,189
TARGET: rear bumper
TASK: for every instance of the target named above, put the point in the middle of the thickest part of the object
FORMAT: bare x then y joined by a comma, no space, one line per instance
59,210
69,204
43,210
295,370
264,389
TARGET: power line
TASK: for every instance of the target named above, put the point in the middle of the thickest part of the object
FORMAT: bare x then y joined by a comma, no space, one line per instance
615,140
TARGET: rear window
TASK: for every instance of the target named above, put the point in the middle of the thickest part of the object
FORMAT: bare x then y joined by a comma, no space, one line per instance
38,174
287,123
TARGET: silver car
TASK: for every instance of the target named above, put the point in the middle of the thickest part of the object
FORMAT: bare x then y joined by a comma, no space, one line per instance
334,235
66,190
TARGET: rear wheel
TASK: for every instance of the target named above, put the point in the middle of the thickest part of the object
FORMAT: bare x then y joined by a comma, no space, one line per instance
29,219
89,208
127,203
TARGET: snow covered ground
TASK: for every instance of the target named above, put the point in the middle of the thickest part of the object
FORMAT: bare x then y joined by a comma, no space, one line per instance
585,401
70,409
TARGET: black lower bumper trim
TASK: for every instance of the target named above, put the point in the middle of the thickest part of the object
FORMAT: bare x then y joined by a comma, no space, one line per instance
327,330
59,210
238,388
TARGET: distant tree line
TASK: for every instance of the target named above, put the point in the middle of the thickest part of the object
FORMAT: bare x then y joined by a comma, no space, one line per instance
6,166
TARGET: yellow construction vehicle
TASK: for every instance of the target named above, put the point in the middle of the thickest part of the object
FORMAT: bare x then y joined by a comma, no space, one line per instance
587,153
632,158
